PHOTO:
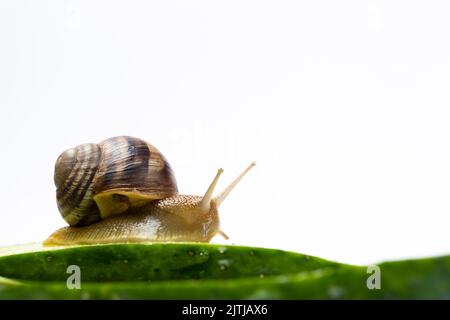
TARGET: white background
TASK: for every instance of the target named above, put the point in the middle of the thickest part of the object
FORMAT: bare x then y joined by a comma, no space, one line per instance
343,104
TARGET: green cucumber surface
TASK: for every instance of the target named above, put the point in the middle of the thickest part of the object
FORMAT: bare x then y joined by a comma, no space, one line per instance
207,271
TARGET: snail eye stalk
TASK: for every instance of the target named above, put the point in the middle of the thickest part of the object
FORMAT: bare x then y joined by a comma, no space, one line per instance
206,201
219,199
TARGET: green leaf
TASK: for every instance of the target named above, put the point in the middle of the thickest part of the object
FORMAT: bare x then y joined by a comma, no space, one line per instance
206,271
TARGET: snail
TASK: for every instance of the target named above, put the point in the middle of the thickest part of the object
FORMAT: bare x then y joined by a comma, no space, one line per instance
124,190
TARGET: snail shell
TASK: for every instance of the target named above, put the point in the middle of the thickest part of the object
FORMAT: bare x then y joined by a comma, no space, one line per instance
95,181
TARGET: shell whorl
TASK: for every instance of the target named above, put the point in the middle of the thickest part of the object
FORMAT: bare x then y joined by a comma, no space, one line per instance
131,164
75,171
92,177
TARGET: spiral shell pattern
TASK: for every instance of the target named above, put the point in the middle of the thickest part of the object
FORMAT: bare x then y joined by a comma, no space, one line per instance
115,166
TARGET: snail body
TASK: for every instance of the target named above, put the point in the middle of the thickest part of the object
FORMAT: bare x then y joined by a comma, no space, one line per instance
124,190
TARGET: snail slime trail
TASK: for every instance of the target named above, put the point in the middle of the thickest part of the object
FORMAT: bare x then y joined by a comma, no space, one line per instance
123,189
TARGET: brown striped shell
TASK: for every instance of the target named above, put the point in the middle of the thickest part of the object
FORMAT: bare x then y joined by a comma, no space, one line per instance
95,181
